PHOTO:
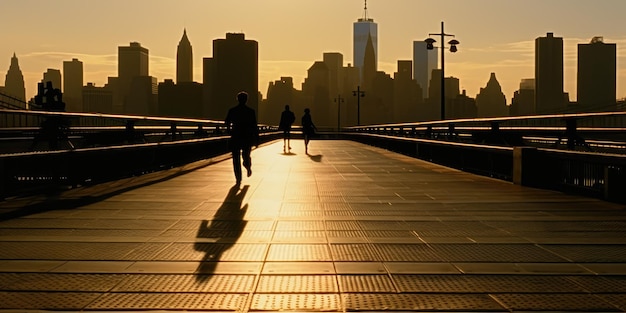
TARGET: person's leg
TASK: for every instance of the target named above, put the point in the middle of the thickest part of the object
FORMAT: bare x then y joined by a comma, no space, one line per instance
306,143
288,134
247,160
237,164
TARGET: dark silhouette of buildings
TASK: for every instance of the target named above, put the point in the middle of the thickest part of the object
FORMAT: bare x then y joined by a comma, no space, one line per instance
523,101
316,94
73,85
364,30
424,62
234,67
279,94
596,88
462,106
97,99
180,100
490,101
183,98
549,96
54,76
407,93
184,60
14,82
135,92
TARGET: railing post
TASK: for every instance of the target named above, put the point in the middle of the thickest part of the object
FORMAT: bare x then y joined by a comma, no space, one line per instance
614,184
523,169
3,178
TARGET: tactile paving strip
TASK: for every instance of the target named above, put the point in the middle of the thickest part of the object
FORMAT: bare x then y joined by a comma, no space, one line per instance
366,283
618,300
50,223
35,232
296,302
381,225
299,234
66,250
212,252
129,224
406,253
170,301
342,225
309,213
353,252
485,283
389,234
419,302
298,252
299,225
554,302
297,284
494,253
59,282
590,253
345,234
46,301
187,283
601,284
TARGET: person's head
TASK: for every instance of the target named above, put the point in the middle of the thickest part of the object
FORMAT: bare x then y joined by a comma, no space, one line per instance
307,111
242,97
287,107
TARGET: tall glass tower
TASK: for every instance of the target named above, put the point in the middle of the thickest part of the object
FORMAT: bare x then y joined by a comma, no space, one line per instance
363,29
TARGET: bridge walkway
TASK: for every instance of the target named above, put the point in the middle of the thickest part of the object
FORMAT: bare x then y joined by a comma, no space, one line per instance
347,228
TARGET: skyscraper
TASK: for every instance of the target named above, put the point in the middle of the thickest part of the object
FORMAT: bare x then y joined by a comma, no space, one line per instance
549,96
52,75
14,81
132,61
596,86
233,68
364,29
136,91
424,62
491,101
73,85
184,60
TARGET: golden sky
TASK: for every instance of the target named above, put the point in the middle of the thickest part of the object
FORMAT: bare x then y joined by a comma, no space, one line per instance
496,35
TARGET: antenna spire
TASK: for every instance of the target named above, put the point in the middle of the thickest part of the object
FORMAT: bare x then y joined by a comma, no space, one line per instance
365,11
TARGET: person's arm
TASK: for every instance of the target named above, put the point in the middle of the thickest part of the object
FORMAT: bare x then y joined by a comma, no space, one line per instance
227,121
256,130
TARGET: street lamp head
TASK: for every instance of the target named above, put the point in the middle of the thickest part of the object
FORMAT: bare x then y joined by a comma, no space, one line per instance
429,43
453,44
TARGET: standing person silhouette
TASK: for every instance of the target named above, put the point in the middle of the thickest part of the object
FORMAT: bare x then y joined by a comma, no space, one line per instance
244,133
286,120
308,129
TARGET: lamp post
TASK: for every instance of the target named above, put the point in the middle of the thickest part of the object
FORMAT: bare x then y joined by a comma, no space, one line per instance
358,93
430,46
339,100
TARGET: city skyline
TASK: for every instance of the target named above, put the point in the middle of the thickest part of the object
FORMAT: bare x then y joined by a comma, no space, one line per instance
292,36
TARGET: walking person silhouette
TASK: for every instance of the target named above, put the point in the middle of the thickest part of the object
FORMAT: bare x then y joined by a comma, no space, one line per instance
242,125
286,120
308,129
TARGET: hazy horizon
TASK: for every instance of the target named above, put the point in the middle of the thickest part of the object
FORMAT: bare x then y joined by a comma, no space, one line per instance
496,36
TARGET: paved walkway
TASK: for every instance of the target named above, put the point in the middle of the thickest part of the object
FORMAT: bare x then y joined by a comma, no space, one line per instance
348,228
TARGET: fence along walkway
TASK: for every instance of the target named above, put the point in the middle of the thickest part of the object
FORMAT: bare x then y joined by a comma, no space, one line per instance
349,227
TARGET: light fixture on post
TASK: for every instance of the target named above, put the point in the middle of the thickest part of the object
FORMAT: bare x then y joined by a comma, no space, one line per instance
358,93
430,46
339,100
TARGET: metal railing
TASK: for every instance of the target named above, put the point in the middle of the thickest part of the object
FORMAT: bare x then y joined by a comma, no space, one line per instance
83,148
581,153
576,153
